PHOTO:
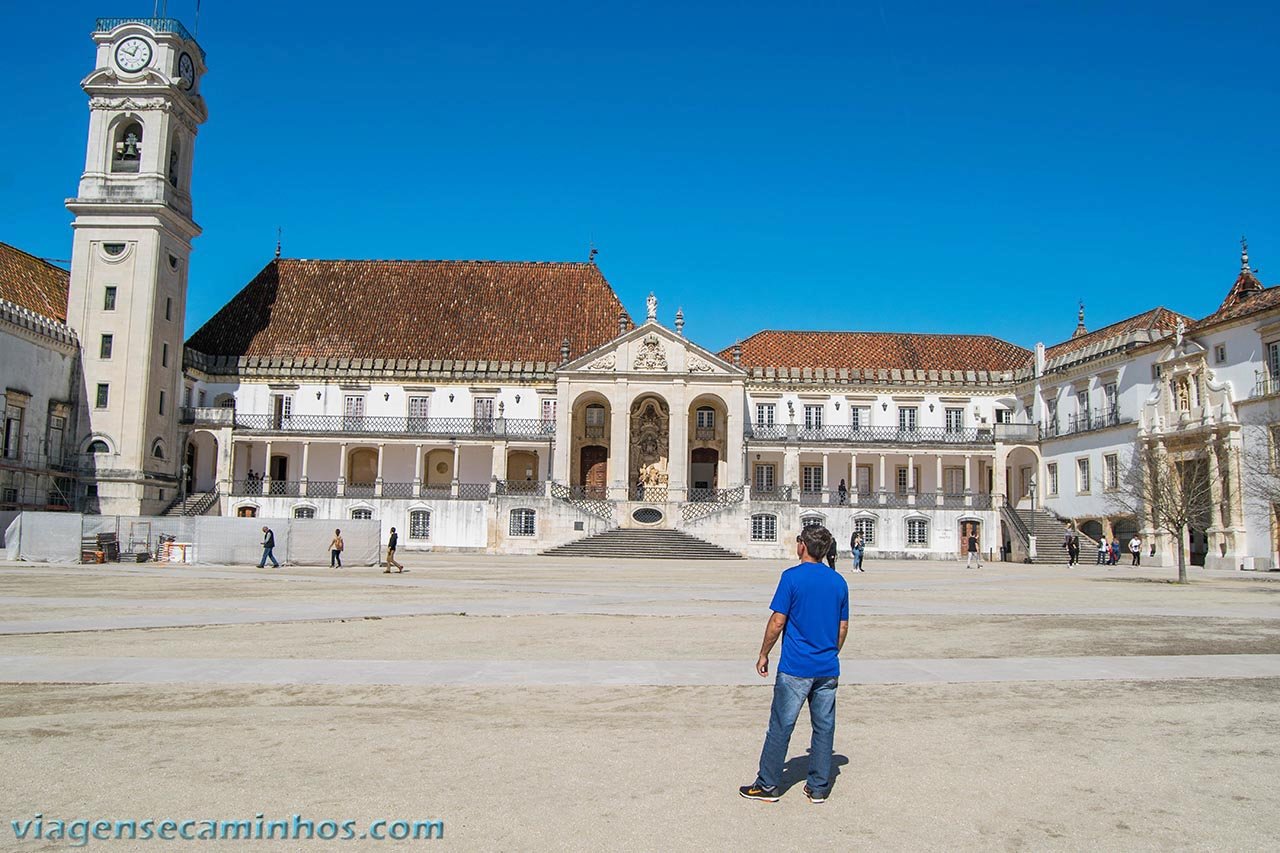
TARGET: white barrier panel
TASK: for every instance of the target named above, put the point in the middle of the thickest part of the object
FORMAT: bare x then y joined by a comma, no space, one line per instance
49,537
309,540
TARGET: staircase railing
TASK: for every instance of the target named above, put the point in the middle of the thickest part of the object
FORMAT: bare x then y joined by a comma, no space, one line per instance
201,506
1018,531
577,497
704,503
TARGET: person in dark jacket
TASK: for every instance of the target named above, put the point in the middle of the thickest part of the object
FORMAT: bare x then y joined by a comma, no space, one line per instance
268,549
391,553
971,546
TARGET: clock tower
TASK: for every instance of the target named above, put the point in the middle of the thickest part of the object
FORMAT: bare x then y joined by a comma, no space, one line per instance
133,230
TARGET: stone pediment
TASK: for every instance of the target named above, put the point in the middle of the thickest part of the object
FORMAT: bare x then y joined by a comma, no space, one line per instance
651,350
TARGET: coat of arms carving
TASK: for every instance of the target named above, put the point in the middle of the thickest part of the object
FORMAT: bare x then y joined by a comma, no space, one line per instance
651,355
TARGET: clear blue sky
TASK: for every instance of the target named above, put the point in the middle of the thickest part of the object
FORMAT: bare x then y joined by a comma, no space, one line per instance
942,167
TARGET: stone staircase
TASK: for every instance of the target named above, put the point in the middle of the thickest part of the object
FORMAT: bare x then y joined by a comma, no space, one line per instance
1050,530
197,503
642,544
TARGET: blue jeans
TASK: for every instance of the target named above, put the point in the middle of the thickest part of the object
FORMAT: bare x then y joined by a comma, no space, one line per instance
268,555
789,695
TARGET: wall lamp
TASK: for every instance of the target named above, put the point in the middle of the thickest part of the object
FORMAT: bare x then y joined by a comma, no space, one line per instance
450,396
517,398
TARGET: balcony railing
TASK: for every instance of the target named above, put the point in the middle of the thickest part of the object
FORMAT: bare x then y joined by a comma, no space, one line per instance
780,493
528,488
849,434
1082,422
1016,432
159,25
718,496
213,416
394,425
657,494
1265,385
389,490
704,433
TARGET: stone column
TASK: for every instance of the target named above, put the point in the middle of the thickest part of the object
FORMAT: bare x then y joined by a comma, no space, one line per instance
735,449
306,468
419,451
882,493
562,441
826,484
457,470
911,479
968,479
619,468
266,471
938,482
678,443
791,467
342,469
377,483
500,462
852,482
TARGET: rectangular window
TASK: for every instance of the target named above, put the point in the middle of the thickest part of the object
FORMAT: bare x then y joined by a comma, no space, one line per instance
1082,402
353,411
1273,360
595,416
104,393
523,523
482,411
420,524
57,433
109,299
164,354
11,496
813,417
1082,476
1111,471
168,307
419,407
162,402
1112,393
917,532
867,528
1220,353
860,417
1155,371
904,480
186,397
304,512
548,411
200,398
13,431
864,479
706,418
811,478
953,481
281,410
104,348
764,414
1052,471
1004,416
764,477
764,528
907,418
955,420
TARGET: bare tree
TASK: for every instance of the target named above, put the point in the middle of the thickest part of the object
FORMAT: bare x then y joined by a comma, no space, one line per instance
1260,464
1170,491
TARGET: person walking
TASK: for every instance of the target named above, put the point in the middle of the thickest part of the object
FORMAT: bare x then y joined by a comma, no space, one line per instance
1135,548
268,549
1066,542
972,547
335,550
811,614
391,553
858,545
1115,550
1073,548
1102,551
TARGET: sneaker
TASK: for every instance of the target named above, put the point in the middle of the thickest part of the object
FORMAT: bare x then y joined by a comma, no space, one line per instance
812,797
755,792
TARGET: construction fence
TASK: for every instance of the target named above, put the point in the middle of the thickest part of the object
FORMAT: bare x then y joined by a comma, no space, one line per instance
65,537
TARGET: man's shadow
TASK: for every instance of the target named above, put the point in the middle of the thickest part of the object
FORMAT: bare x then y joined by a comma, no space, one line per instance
796,771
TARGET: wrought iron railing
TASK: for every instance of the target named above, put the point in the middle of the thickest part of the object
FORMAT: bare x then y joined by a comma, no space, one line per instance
780,493
896,499
927,499
982,501
657,494
847,433
395,425
1265,385
704,433
282,488
159,25
589,500
201,506
247,486
435,491
1096,419
704,503
322,488
359,490
812,497
535,488
473,491
952,501
397,490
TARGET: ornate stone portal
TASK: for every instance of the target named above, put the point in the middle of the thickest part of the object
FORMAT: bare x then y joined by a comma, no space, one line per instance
650,442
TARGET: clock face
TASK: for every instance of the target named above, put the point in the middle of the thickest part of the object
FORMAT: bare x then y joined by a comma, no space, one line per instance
186,71
133,54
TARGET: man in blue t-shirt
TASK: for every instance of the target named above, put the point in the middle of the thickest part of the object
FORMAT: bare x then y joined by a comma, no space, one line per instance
812,606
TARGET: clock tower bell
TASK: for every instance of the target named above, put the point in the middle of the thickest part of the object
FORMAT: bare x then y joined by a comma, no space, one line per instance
133,229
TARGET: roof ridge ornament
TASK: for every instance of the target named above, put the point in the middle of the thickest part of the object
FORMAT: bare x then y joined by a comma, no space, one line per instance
651,307
1244,254
1080,327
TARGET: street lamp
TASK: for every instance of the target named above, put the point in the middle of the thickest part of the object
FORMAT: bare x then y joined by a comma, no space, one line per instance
1031,488
186,469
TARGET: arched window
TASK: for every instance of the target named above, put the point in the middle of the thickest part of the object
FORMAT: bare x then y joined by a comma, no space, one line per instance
126,152
764,528
157,449
362,513
97,446
917,533
866,527
420,524
304,512
812,521
524,522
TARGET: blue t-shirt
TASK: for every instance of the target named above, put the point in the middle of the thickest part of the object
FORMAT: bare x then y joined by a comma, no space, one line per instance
815,600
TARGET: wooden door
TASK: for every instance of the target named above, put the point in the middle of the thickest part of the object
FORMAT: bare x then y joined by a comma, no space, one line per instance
594,465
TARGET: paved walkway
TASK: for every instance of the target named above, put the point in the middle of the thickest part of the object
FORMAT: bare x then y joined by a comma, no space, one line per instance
141,670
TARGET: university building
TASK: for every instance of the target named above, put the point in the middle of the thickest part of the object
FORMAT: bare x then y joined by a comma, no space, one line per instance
516,407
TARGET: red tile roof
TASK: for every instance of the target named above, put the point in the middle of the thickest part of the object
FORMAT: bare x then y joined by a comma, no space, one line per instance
34,284
1243,301
879,350
1157,319
462,310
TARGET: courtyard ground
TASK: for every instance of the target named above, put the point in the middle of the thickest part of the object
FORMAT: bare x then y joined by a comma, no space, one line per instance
532,703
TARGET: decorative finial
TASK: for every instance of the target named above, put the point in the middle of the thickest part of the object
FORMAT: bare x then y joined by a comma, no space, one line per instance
1080,327
651,304
1244,254
622,322
564,351
591,257
680,322
279,237
737,354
